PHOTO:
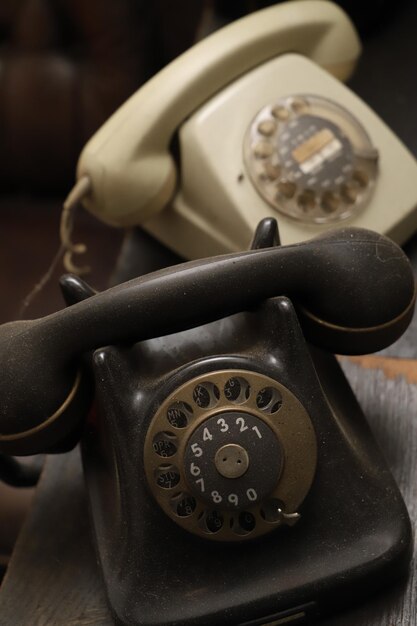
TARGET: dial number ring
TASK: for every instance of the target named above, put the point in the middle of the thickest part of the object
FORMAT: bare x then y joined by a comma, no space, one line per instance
234,515
240,475
310,159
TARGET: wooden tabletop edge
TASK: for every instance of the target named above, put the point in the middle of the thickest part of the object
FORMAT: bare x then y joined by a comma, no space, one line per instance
391,367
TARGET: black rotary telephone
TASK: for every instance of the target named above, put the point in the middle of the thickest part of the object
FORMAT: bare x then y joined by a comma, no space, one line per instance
232,476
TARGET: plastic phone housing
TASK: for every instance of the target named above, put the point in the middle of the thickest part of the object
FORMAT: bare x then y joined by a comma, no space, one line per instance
217,206
354,532
132,172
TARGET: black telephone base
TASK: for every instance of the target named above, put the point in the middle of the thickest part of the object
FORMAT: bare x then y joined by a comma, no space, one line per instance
354,533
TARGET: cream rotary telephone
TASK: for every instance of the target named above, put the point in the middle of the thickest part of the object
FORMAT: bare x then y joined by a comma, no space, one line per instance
252,122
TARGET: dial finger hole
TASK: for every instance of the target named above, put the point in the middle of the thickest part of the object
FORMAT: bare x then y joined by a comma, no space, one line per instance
165,444
280,113
267,128
330,202
167,476
272,171
361,178
272,510
237,390
263,150
183,504
307,200
349,193
211,521
179,414
287,189
298,105
269,400
244,524
206,395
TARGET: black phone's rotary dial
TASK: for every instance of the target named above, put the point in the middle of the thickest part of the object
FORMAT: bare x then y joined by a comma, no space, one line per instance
231,455
233,460
310,159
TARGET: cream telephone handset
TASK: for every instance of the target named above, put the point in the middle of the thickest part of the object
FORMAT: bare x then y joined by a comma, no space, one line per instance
262,131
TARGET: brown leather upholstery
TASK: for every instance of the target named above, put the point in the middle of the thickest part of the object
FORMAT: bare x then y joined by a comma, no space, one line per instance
66,65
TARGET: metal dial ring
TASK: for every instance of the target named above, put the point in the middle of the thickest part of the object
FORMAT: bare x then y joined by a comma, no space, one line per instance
230,455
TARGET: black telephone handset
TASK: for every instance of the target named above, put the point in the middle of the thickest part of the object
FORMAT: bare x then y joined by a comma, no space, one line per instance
226,419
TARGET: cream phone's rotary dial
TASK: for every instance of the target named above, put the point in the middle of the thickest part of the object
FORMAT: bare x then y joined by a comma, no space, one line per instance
310,159
231,455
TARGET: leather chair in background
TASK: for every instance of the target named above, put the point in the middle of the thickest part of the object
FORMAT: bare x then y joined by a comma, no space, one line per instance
65,66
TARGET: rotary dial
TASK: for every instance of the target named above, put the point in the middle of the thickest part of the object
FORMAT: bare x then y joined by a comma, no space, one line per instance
230,455
310,159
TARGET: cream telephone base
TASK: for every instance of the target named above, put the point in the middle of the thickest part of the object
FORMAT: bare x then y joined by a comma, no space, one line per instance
262,131
219,199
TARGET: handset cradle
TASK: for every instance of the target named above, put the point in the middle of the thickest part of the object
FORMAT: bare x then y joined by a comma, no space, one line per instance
368,309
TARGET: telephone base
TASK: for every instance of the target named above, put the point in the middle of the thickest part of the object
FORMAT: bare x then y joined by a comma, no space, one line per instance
354,533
